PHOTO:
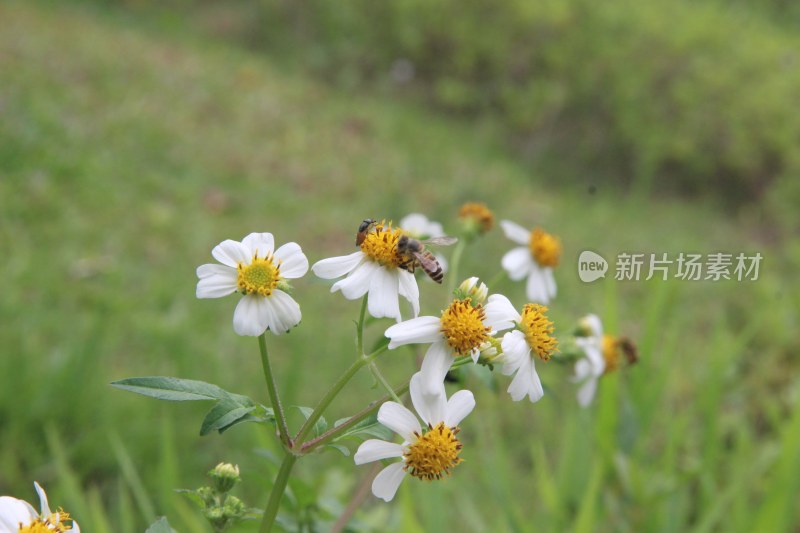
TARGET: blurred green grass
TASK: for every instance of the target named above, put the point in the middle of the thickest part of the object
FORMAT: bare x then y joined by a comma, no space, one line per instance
127,152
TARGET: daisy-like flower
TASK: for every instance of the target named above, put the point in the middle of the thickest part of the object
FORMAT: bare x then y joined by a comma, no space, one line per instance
18,516
254,268
536,258
427,453
602,354
476,218
460,331
589,368
533,336
374,270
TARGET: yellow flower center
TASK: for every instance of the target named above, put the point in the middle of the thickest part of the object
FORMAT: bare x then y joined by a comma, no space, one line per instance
434,453
545,248
54,522
610,353
462,326
538,331
261,276
479,214
380,245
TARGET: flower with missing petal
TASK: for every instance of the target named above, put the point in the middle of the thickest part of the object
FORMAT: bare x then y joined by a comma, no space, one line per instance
254,268
374,270
18,516
533,333
460,331
428,452
589,368
536,258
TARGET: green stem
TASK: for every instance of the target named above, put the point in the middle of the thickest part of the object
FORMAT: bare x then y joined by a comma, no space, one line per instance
280,417
382,380
342,381
455,259
278,488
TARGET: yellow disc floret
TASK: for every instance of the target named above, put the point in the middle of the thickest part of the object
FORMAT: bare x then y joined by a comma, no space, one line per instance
54,522
610,353
462,326
380,245
477,214
261,276
538,330
434,453
545,248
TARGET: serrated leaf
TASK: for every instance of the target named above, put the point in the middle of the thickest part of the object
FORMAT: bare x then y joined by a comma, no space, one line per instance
160,526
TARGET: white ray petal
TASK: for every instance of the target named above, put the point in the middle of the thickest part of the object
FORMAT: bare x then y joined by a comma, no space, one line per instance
459,406
549,282
420,330
336,267
285,312
536,287
294,263
375,450
515,232
215,281
383,294
409,289
500,313
517,262
430,403
14,512
249,317
231,253
586,392
515,351
388,480
259,243
357,283
436,363
399,419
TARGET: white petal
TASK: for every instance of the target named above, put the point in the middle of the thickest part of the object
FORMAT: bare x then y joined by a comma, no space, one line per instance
515,232
418,225
357,282
459,406
435,365
383,294
535,389
75,528
536,288
431,404
251,316
375,450
388,480
549,282
294,263
594,324
336,267
586,392
284,312
14,512
399,419
526,383
216,281
261,244
231,253
409,289
515,351
420,330
500,313
517,262
583,370
43,505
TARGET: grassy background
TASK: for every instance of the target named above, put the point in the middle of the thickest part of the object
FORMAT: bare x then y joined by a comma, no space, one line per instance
131,143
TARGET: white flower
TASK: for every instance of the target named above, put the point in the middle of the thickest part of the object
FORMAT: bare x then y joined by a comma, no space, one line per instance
533,334
17,514
537,256
252,267
427,453
461,330
588,369
374,270
418,226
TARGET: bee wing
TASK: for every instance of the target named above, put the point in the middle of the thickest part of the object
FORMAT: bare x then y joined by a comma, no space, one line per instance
444,240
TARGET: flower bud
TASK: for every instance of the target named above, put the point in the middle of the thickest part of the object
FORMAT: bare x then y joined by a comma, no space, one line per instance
472,289
225,476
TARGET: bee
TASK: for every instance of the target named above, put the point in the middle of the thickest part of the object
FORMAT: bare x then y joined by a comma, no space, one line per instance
414,253
366,225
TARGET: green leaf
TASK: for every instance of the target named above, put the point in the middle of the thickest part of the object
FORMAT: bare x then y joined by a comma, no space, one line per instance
160,526
344,450
320,426
369,427
225,414
171,389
